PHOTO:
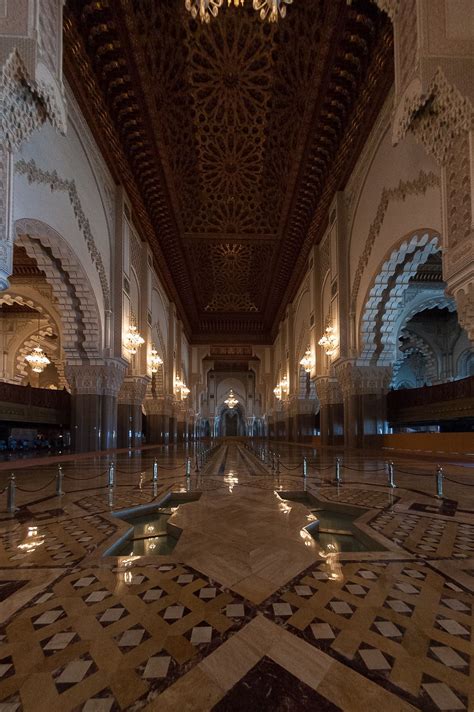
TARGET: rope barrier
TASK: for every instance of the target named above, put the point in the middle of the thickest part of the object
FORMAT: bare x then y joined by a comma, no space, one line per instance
415,474
357,469
85,479
462,484
38,489
172,467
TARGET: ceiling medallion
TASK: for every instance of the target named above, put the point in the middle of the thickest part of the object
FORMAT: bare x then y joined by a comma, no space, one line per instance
267,9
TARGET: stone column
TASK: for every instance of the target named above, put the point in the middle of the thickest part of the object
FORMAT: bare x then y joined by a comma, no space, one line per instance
113,375
157,420
130,399
94,390
364,389
331,410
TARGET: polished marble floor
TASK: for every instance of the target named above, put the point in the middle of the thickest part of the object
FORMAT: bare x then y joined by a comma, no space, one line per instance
248,612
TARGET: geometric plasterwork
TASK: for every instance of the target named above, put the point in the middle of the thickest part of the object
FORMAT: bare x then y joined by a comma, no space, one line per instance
419,186
435,102
232,147
74,297
54,182
31,93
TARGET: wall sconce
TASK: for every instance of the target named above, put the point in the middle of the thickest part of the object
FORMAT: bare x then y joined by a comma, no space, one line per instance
155,360
133,340
329,341
307,361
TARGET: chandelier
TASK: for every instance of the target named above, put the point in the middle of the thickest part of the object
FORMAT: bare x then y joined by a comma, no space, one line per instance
37,360
231,401
155,360
329,340
133,340
181,388
307,361
267,9
281,388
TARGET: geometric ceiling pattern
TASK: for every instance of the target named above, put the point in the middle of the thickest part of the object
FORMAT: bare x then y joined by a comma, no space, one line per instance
230,138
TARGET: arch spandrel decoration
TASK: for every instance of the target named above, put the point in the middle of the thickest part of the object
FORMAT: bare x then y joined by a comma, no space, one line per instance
81,323
378,327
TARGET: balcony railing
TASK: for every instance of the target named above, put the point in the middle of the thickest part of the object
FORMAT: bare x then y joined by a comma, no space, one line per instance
35,397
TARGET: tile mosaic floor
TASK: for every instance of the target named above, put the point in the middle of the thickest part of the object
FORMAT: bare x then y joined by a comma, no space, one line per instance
248,612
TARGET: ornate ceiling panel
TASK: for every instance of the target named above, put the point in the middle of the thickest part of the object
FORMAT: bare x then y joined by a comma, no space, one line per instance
232,138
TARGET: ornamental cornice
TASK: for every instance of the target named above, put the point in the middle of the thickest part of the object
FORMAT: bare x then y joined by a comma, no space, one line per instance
34,174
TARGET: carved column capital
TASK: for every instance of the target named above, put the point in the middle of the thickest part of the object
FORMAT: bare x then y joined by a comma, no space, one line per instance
133,390
96,379
357,379
328,391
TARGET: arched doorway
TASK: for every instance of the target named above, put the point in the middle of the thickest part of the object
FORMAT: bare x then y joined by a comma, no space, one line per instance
232,423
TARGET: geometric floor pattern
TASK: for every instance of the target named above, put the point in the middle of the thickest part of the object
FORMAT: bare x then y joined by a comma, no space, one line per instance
388,630
399,623
114,637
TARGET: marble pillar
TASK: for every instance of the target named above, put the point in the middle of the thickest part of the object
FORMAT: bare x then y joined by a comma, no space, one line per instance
130,422
364,390
331,411
94,390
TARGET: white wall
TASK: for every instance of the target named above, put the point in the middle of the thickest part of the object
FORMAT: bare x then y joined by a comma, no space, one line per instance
73,157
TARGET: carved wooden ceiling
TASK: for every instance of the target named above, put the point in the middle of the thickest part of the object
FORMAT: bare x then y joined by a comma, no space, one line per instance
230,139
